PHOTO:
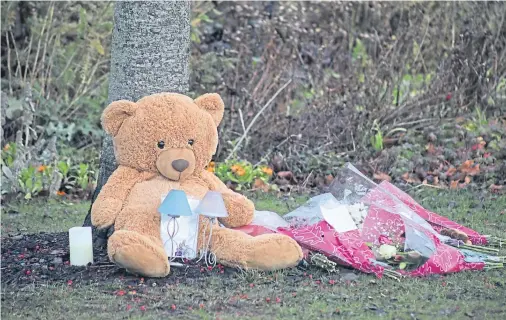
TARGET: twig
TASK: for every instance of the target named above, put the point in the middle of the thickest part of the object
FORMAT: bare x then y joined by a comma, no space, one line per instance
307,179
255,118
242,121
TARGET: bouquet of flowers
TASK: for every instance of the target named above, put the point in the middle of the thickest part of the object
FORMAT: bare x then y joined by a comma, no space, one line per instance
378,229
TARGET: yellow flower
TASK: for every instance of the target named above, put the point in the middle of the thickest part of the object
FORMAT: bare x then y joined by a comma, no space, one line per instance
210,166
240,172
267,171
60,193
236,167
41,168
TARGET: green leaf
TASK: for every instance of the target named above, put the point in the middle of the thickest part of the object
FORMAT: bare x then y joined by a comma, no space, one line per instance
403,265
95,43
83,22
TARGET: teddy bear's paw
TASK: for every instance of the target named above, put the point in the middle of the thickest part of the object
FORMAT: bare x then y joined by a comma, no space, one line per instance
103,213
274,252
138,254
240,209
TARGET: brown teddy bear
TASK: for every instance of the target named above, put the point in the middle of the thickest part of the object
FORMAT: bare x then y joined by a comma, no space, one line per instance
163,142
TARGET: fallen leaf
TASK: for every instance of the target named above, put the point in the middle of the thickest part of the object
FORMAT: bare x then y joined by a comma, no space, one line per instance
382,176
454,184
451,171
496,188
408,178
261,185
285,175
469,168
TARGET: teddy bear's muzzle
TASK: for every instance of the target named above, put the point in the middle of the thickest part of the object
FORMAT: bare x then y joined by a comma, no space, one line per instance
176,164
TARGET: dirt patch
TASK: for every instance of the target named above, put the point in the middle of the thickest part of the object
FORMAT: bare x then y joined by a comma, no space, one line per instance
41,258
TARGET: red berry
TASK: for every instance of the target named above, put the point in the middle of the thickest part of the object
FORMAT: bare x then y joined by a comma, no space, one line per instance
202,270
209,268
67,262
173,307
278,300
448,96
69,282
120,293
332,281
21,256
268,299
222,271
317,281
251,285
201,306
128,307
28,272
143,308
310,276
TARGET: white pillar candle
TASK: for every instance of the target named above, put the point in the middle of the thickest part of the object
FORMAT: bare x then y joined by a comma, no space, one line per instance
81,246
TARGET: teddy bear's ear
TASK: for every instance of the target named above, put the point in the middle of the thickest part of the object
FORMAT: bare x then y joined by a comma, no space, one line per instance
212,103
114,115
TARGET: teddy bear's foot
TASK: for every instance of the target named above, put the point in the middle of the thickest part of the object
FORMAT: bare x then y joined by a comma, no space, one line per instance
138,254
273,252
266,252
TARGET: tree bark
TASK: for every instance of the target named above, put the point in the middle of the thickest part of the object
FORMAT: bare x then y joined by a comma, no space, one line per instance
149,54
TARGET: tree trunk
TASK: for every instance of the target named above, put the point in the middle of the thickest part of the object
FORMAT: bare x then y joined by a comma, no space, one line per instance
149,54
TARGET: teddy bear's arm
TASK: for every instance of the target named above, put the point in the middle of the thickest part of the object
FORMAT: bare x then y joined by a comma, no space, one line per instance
240,209
112,196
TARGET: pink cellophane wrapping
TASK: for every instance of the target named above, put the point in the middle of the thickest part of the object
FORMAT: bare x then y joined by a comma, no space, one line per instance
438,222
391,214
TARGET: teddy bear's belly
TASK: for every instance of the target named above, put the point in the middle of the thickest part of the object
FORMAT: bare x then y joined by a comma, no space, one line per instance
148,194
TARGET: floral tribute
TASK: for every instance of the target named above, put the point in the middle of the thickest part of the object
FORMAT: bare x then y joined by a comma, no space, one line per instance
379,229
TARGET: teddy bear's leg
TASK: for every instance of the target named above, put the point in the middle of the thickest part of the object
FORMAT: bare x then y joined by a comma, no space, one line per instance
265,252
136,244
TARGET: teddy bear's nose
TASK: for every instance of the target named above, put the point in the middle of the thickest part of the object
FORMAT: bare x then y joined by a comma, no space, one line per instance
180,165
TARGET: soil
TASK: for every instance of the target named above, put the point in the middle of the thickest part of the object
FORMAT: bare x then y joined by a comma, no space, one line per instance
41,258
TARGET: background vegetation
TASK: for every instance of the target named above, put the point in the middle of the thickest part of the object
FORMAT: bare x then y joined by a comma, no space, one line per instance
412,92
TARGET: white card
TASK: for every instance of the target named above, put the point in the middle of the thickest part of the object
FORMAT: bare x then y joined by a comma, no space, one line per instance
184,242
338,217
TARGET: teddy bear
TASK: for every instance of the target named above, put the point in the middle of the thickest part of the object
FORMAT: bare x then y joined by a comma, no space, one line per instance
163,142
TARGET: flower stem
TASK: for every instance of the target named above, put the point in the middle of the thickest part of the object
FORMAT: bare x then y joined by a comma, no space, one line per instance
478,248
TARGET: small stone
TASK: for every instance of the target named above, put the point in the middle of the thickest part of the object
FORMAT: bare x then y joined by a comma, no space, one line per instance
17,237
42,260
57,261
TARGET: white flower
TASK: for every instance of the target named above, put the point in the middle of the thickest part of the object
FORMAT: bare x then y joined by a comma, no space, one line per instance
387,251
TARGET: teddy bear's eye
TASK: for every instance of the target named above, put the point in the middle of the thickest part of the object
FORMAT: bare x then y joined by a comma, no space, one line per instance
161,144
191,142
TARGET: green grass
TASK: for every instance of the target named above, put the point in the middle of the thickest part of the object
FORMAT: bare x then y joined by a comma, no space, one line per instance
478,295
41,215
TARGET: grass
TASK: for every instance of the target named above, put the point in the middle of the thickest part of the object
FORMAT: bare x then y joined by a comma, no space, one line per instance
245,295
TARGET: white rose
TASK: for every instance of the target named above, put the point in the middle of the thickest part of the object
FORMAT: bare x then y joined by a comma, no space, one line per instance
387,251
